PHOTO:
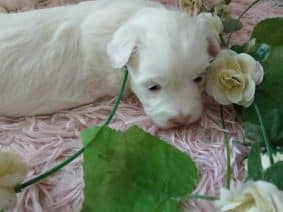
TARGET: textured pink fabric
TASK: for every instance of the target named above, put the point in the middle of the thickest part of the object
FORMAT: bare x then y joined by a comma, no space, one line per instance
44,141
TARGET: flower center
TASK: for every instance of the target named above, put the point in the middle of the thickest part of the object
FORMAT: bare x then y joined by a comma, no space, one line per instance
229,79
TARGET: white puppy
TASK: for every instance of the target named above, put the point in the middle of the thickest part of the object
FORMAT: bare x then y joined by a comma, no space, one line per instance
64,57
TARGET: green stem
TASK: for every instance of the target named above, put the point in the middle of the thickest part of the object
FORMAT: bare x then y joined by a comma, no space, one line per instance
240,16
117,102
228,165
202,197
265,137
36,179
19,187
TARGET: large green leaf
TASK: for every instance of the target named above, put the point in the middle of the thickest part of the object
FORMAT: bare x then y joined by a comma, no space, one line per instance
269,95
274,174
269,31
134,172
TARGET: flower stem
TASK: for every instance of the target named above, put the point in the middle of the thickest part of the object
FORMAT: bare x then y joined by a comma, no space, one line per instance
19,187
240,16
228,165
202,197
265,138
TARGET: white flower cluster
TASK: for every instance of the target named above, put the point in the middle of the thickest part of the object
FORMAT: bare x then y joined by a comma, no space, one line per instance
12,171
253,196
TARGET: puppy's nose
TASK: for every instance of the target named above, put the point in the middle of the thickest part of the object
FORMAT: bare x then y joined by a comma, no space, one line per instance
181,120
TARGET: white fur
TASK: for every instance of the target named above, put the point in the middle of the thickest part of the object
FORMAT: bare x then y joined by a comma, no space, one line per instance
64,57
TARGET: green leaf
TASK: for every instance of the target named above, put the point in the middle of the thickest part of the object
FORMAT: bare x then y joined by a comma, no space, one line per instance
88,135
232,25
274,123
134,171
274,127
274,174
269,95
254,163
268,31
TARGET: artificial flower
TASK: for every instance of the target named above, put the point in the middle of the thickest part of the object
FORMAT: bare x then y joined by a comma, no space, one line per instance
8,198
232,78
191,5
12,172
213,22
259,196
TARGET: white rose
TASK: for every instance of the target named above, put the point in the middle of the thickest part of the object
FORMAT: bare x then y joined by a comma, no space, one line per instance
7,198
232,78
252,196
12,171
213,22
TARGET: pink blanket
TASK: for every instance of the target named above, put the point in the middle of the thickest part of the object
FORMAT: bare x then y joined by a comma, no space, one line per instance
46,140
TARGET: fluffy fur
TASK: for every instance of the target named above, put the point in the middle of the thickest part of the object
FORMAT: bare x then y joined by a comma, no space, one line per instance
44,141
64,57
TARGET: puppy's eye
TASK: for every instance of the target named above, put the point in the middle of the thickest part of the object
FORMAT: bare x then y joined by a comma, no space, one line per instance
198,79
154,88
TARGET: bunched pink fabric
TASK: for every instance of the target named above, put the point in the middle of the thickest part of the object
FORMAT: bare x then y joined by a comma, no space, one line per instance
44,141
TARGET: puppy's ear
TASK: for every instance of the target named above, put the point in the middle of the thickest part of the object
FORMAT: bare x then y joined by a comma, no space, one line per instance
121,46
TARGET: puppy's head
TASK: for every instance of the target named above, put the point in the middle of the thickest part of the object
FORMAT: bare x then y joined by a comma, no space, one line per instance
166,53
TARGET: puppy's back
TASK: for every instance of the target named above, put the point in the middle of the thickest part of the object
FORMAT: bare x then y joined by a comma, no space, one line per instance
54,59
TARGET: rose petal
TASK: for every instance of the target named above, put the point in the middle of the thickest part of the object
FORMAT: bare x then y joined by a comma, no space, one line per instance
259,73
7,198
252,196
214,90
249,93
266,195
230,62
12,169
224,59
235,95
219,95
250,66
